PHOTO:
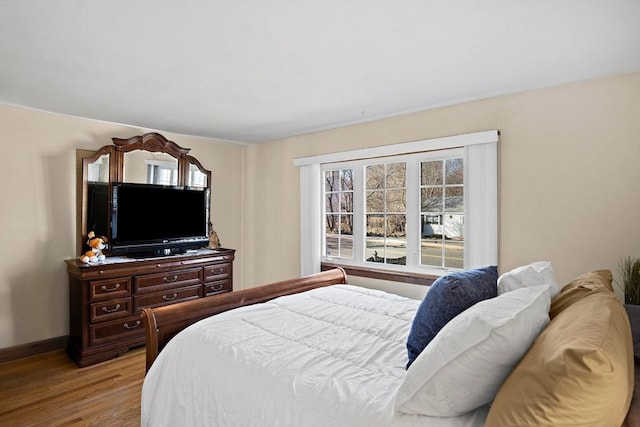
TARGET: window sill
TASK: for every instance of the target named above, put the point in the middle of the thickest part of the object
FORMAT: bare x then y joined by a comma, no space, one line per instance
376,273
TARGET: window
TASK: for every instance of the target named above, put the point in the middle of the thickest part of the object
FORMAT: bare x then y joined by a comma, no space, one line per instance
426,206
339,213
442,213
405,210
386,213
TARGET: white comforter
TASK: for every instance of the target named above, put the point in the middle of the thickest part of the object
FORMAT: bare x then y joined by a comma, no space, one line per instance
332,356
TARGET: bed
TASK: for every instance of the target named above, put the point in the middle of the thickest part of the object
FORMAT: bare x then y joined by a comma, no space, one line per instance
313,351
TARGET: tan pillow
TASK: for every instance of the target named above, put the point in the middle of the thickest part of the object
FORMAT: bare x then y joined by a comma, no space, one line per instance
580,287
579,372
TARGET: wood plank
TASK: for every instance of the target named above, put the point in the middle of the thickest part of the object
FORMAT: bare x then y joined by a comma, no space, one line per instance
31,349
49,389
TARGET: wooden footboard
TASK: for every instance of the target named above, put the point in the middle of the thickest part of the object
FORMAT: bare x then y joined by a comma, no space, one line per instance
163,323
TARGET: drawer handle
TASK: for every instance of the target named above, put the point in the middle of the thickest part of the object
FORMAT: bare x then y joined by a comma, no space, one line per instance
217,288
166,298
126,325
217,271
111,310
115,288
173,279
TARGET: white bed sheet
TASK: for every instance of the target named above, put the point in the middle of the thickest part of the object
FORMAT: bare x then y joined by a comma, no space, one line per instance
332,356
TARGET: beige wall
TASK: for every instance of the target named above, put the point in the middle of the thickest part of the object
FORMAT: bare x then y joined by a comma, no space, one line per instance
569,184
569,190
38,212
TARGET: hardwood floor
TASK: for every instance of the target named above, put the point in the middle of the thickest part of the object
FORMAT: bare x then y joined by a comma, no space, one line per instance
50,390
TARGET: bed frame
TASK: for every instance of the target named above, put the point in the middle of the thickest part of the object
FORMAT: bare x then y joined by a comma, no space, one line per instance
163,323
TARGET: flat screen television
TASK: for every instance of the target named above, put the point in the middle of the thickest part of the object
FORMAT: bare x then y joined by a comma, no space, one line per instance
157,220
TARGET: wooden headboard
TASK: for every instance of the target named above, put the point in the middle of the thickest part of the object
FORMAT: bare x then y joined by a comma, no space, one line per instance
163,323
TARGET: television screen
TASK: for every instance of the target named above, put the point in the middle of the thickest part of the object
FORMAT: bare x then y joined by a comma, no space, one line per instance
157,217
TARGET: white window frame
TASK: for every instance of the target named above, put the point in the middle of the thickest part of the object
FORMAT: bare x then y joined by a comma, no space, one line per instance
480,153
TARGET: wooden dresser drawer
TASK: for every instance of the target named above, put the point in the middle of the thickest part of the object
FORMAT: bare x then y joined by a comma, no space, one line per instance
106,298
109,288
115,330
212,288
112,309
217,272
165,297
169,280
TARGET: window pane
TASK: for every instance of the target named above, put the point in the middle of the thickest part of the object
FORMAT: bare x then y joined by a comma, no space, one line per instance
431,240
347,202
375,176
431,173
332,180
332,224
396,175
454,226
332,203
431,226
375,201
347,180
346,247
396,252
396,226
332,245
454,172
375,225
431,199
339,210
454,254
374,251
396,240
396,201
454,200
431,252
346,224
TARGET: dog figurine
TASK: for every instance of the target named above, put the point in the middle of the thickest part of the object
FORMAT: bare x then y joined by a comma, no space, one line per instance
97,244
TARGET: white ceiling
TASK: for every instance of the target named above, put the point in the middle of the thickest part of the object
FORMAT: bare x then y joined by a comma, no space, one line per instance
254,71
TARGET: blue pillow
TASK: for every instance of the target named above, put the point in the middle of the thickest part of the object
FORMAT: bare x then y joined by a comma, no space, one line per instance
449,296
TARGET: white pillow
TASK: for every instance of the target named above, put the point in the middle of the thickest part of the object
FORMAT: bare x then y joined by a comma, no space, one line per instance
466,363
538,273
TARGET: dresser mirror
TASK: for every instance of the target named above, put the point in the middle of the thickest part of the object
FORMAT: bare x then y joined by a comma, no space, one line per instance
98,170
145,167
98,194
144,159
197,176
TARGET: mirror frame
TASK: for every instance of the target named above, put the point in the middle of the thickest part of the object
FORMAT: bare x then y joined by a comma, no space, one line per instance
152,142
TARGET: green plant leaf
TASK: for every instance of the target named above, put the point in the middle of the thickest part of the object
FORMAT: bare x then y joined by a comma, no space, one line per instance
629,269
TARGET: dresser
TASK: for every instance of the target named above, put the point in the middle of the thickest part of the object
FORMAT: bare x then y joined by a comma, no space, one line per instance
107,297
